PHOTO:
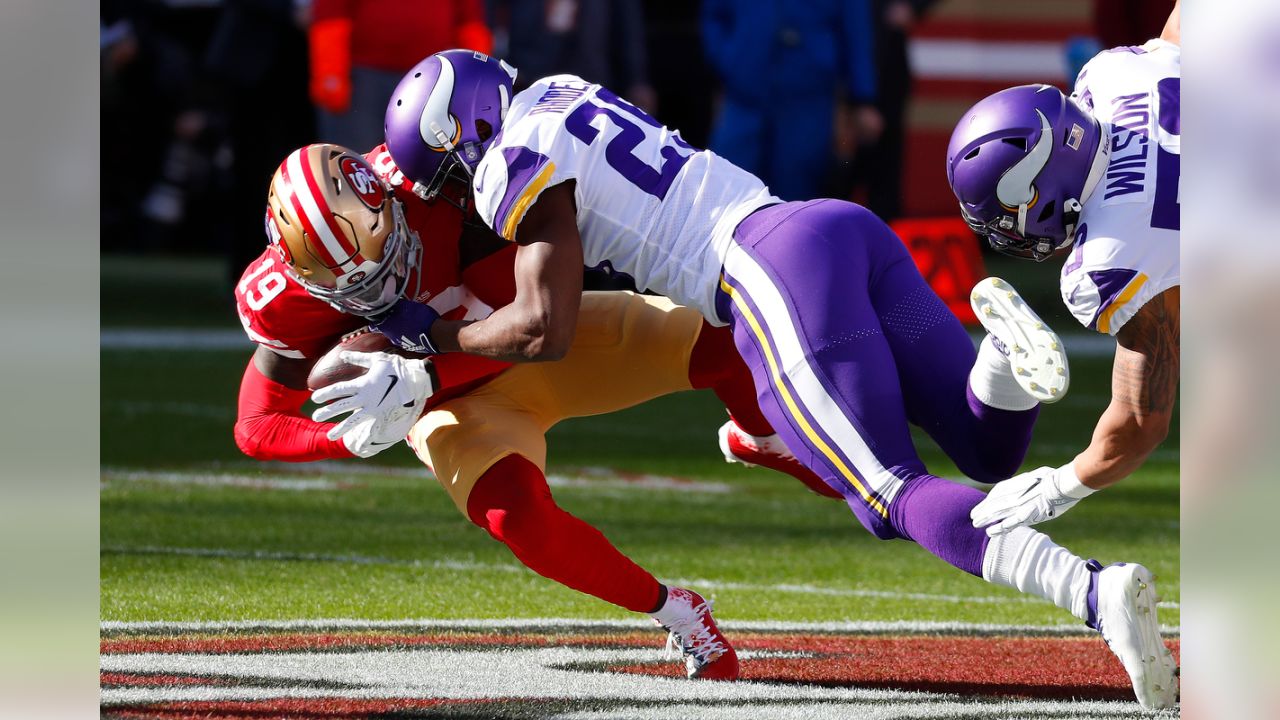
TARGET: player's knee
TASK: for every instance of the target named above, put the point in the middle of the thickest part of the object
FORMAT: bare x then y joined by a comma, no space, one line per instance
998,462
512,501
990,470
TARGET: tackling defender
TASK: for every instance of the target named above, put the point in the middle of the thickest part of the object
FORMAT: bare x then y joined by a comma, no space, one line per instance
846,342
342,249
1037,173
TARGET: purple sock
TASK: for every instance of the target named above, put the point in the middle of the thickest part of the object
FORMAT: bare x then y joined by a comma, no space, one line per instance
935,514
1000,441
1091,600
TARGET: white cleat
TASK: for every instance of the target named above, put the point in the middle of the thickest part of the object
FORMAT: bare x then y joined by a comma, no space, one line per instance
1127,619
1036,355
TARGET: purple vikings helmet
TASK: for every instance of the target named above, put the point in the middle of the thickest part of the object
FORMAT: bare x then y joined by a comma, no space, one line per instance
444,114
1022,162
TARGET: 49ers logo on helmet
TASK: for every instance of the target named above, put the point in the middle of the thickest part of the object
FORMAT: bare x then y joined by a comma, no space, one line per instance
364,182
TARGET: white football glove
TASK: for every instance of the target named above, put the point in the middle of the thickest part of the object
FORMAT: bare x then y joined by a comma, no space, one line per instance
1029,498
384,403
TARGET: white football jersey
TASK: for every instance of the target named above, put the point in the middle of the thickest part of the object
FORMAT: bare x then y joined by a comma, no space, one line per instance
648,203
1126,249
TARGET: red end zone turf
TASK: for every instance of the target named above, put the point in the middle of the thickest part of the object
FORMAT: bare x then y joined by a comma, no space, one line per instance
982,667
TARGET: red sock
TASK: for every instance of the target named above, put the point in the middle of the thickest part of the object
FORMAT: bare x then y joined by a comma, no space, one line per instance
715,363
513,503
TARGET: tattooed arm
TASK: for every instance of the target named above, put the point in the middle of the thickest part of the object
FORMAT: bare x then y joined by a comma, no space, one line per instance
1144,384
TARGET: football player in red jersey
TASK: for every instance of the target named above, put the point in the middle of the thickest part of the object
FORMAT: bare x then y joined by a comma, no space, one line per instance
343,249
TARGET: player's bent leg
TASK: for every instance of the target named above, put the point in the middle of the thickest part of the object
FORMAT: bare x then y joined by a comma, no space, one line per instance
748,437
967,401
513,503
714,363
739,446
825,376
488,450
934,513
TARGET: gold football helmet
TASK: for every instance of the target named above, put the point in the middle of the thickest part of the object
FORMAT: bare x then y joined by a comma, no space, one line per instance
340,231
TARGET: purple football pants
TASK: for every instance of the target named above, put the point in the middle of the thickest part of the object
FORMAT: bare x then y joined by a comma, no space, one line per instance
848,345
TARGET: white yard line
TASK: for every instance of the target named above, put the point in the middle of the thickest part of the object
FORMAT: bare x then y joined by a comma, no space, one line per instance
638,623
289,556
256,482
472,566
332,476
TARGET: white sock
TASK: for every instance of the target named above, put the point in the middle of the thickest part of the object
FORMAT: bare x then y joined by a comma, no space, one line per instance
1031,562
992,381
676,606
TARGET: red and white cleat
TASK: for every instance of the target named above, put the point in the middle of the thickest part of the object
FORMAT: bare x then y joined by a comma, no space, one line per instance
770,452
686,615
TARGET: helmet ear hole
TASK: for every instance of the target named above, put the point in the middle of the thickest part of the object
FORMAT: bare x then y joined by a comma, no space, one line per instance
483,129
1046,212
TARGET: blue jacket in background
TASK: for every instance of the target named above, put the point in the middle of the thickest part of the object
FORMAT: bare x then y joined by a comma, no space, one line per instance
766,50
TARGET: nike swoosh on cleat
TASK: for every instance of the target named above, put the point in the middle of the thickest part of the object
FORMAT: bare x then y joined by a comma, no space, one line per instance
394,379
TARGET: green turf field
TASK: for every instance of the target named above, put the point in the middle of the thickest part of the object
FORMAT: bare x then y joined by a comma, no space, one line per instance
191,530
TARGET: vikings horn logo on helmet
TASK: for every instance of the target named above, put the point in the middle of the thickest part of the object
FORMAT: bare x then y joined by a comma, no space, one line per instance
436,115
1016,188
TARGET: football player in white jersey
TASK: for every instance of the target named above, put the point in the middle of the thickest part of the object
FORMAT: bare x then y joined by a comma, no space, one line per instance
1103,192
847,343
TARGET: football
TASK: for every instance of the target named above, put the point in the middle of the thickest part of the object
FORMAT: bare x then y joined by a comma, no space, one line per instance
330,369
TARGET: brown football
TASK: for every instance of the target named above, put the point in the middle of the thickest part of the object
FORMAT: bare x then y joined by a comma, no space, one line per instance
329,369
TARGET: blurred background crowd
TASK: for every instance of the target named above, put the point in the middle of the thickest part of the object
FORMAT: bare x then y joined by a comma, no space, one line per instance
202,99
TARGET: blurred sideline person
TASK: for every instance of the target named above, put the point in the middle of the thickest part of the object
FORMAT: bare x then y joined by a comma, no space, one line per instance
781,66
1093,178
877,159
342,249
257,59
603,40
846,342
360,48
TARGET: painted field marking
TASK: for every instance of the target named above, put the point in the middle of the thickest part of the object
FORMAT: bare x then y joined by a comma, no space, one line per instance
256,482
873,627
326,476
530,677
472,566
288,556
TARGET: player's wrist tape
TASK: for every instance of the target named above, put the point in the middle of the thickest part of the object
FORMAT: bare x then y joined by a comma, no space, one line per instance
1068,483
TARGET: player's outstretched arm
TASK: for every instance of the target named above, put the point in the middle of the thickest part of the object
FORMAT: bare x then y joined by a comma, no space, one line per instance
270,424
539,324
1144,385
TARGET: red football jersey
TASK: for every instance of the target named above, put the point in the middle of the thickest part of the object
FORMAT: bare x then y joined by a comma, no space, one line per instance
466,272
